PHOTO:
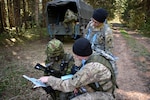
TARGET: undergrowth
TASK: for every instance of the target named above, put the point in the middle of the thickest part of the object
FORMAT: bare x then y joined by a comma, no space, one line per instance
12,84
10,38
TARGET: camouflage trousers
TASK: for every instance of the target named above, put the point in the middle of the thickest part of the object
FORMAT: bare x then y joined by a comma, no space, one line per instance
95,96
42,95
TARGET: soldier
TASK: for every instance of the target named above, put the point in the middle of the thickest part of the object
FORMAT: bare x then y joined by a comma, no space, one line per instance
57,63
98,31
57,58
100,36
91,81
69,21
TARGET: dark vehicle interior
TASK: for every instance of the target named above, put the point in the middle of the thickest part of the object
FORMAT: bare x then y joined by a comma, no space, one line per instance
56,13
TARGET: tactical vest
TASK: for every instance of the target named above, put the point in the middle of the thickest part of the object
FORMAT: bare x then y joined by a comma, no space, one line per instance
61,64
105,85
100,38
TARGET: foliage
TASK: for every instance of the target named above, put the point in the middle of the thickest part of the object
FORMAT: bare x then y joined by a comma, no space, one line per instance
133,19
145,29
107,4
134,14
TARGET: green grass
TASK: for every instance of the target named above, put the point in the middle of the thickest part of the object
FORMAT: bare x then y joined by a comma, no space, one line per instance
138,49
12,84
134,45
11,79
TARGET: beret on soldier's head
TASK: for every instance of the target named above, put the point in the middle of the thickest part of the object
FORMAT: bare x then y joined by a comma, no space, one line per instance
100,15
82,47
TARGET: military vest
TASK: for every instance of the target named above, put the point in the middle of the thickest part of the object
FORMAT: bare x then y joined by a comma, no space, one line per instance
106,85
100,38
61,64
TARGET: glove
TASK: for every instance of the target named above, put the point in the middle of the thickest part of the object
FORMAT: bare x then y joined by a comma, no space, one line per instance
74,69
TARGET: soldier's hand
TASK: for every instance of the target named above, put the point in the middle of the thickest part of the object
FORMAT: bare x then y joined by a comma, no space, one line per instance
44,79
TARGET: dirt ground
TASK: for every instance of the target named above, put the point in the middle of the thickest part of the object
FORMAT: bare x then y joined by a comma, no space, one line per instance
131,81
132,85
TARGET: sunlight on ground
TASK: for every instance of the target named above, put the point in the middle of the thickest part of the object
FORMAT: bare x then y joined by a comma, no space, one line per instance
13,39
135,95
9,42
29,35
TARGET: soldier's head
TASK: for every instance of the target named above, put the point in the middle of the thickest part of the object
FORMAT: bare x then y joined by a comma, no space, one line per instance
54,50
99,16
82,48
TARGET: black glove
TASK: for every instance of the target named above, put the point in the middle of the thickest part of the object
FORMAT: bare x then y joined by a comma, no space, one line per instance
50,91
74,69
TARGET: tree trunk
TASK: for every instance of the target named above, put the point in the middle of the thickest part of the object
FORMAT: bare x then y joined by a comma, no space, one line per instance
24,12
5,8
10,13
31,8
1,22
148,8
17,14
44,13
37,12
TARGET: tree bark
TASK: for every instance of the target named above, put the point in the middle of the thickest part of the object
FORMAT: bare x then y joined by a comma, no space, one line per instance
37,12
44,13
17,14
1,22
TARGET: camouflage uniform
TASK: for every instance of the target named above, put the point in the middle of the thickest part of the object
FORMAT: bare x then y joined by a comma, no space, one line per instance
58,60
69,21
100,38
94,96
89,73
54,51
41,94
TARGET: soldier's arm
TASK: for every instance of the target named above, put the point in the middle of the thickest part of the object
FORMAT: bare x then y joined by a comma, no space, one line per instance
92,72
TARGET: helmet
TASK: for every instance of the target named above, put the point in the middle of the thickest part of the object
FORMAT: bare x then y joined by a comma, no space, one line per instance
54,48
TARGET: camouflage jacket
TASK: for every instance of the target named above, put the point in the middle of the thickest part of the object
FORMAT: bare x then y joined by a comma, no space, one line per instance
100,38
62,64
90,73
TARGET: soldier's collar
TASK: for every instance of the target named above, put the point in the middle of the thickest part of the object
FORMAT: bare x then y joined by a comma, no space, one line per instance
98,28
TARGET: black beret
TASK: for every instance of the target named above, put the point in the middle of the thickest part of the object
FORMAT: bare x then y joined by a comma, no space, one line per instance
82,47
100,15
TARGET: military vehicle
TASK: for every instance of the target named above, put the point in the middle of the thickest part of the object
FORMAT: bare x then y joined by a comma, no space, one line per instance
67,18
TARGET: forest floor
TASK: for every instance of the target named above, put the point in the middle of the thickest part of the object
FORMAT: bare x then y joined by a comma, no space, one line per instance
133,66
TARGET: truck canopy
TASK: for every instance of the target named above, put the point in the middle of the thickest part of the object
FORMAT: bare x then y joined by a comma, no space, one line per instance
56,10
